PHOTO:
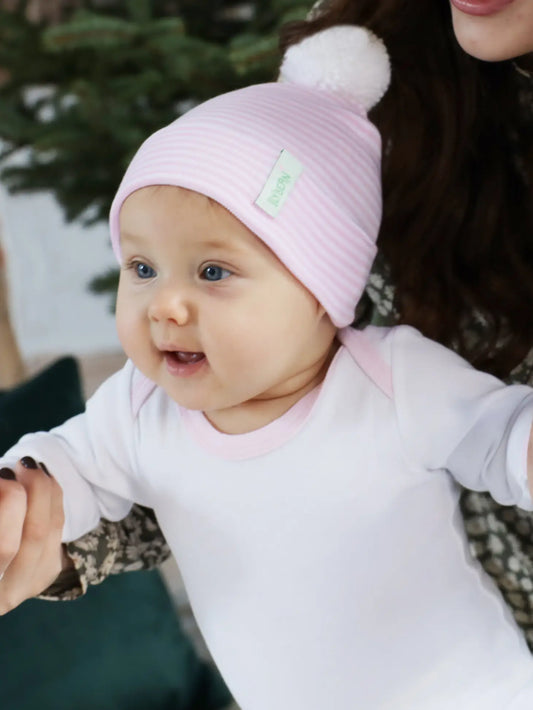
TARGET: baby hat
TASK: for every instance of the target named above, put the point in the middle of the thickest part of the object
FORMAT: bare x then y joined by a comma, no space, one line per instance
297,161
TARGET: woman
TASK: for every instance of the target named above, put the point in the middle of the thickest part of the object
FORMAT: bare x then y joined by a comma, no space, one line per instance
458,181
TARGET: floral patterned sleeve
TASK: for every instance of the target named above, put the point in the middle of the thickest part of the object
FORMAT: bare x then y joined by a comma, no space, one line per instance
130,544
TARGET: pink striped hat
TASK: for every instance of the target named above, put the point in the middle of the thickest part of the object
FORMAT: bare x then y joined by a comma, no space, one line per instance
297,161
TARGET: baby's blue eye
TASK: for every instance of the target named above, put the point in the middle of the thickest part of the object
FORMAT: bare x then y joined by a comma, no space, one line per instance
143,271
215,273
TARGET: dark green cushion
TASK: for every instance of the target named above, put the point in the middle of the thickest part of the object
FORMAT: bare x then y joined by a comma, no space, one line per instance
43,402
121,646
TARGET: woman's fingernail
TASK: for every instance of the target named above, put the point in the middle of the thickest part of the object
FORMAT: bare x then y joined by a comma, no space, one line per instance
7,474
41,464
28,462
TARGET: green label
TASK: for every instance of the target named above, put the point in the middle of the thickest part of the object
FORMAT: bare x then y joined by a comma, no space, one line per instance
279,184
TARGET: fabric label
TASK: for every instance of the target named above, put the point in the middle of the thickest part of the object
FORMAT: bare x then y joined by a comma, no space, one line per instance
287,169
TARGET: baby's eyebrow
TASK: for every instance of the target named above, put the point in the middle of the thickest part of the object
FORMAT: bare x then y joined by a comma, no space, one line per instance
216,244
227,245
130,237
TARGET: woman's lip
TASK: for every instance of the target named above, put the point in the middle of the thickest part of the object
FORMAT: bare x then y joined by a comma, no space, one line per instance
183,369
480,7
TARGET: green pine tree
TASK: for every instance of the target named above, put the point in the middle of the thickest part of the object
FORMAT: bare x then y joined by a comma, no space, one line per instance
82,95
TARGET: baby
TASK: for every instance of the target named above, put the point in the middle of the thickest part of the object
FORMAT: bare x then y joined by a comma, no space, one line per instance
303,472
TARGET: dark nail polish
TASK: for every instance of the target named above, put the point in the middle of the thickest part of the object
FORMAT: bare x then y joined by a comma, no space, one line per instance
7,474
41,464
28,462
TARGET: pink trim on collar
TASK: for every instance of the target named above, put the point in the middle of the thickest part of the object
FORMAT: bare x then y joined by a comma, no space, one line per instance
253,443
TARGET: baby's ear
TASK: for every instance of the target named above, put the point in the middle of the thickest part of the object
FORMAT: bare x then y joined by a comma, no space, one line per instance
322,311
324,318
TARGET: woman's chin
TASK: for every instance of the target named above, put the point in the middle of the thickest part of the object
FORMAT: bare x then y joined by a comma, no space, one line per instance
491,52
494,39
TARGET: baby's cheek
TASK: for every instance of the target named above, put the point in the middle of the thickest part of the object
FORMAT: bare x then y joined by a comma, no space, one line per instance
127,327
122,332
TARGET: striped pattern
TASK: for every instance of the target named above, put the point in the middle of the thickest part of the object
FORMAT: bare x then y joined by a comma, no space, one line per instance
225,148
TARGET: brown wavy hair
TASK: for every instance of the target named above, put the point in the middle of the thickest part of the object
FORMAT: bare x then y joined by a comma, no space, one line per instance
457,231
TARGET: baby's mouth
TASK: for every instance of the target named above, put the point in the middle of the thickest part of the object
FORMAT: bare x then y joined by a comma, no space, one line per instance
186,358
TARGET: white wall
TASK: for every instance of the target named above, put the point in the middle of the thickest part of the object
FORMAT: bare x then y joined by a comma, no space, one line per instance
49,266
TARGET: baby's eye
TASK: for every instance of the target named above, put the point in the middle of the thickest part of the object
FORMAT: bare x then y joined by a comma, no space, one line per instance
143,271
214,273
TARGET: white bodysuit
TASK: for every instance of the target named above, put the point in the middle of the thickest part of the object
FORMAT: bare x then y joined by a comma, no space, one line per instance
324,555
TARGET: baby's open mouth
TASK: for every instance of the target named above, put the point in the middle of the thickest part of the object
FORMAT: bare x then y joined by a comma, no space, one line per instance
187,358
184,363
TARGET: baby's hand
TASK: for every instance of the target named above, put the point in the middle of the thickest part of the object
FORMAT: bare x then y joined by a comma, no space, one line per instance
31,524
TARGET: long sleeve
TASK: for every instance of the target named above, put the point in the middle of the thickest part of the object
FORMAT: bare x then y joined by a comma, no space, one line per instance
93,457
134,543
454,417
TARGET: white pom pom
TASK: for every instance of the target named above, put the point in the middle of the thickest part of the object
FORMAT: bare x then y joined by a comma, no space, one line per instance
348,60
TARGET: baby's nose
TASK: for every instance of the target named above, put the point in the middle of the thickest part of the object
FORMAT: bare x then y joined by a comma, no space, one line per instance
170,305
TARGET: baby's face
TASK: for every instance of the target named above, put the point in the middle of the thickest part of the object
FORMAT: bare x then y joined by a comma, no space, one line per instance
204,308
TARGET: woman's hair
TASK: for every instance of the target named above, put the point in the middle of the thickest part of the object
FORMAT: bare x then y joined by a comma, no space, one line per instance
457,231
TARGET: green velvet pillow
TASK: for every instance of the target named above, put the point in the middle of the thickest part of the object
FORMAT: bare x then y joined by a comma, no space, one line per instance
120,647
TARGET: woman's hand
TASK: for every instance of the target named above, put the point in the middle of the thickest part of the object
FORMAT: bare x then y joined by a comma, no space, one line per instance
31,524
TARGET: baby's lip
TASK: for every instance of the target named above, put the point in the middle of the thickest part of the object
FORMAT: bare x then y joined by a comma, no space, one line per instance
168,347
187,357
184,355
